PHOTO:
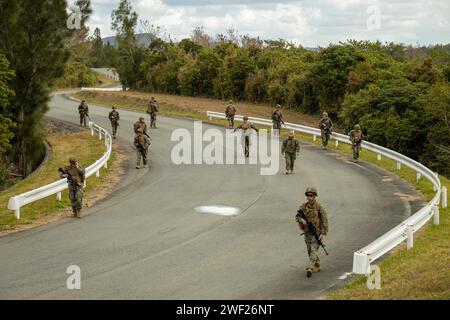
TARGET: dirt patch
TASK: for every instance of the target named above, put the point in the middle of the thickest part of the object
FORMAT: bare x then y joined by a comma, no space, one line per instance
407,197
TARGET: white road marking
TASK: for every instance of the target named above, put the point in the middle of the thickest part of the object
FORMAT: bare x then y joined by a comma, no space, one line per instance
219,210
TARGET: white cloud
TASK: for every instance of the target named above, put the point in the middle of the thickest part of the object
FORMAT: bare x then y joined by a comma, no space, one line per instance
309,22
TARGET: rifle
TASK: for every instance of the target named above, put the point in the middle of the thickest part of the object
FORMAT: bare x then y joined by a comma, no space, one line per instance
145,134
311,227
69,176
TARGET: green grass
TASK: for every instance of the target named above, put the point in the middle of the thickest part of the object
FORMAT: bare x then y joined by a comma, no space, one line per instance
419,273
74,144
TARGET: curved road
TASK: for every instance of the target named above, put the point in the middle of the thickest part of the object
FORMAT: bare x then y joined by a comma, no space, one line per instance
146,240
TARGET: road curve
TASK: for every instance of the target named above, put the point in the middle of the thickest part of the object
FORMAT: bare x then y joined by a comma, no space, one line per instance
146,241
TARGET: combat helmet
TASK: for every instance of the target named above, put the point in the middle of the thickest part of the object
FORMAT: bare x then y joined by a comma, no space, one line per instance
357,127
245,118
311,190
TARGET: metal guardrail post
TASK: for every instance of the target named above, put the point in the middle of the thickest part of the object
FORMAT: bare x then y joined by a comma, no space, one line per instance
99,134
444,197
409,236
378,157
314,138
58,196
436,215
361,263
418,176
399,165
337,143
17,213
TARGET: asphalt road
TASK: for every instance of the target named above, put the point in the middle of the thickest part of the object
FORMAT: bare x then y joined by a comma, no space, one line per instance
146,241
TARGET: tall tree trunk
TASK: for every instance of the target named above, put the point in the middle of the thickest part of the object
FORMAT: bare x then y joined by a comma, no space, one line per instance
22,146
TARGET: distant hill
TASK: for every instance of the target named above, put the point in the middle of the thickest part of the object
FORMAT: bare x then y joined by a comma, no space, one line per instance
143,39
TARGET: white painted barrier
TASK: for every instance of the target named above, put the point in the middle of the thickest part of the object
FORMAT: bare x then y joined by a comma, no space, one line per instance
365,256
16,202
102,89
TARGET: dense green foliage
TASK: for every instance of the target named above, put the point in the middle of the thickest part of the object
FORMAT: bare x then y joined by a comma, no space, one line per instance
35,39
77,74
6,125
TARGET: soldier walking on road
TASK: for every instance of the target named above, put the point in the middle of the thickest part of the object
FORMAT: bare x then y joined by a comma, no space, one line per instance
277,119
325,126
317,216
246,127
114,118
140,124
75,175
152,110
83,110
230,112
356,137
141,142
290,149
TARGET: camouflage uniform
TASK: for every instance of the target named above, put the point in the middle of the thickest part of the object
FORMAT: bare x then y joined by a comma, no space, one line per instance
317,215
290,147
356,137
325,126
142,143
75,186
114,118
277,119
152,110
142,125
246,127
83,110
230,112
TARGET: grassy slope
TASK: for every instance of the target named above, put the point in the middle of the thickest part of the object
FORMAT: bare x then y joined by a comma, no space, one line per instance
62,149
422,272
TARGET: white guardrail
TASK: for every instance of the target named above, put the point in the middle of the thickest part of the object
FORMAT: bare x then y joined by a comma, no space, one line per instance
404,231
102,89
16,202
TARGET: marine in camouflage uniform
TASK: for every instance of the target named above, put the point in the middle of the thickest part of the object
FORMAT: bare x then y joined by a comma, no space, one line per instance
325,126
317,215
356,137
277,119
140,124
141,142
152,110
75,175
230,112
246,127
83,110
114,118
290,148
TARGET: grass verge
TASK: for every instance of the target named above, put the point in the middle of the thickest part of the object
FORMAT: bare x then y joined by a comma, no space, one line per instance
419,273
48,209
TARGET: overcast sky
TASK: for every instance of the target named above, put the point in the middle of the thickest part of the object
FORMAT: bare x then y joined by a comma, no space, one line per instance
307,22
